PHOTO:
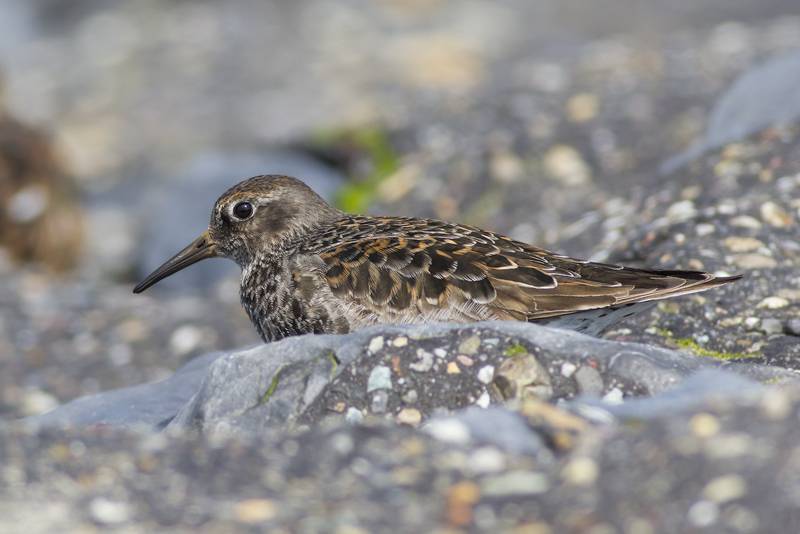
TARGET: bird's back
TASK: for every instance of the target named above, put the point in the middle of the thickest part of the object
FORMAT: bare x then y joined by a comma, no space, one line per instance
408,270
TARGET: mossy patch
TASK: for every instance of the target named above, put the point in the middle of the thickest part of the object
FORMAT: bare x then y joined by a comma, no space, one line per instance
515,349
377,161
691,346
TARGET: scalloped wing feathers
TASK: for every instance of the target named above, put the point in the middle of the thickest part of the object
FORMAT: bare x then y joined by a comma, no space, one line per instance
398,266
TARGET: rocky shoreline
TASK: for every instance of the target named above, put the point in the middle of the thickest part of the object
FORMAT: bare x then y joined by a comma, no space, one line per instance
677,149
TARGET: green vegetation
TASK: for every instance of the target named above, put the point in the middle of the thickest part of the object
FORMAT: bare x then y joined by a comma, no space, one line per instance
515,349
273,385
691,346
332,357
367,142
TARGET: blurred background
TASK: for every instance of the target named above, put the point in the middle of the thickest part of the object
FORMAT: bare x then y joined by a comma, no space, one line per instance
122,121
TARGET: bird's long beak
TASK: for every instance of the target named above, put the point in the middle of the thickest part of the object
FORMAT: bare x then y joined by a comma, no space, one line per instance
199,250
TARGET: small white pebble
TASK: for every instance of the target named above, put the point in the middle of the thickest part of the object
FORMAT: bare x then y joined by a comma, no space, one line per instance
703,513
379,378
401,341
354,416
486,374
487,460
440,352
483,400
107,512
745,221
449,430
751,322
567,369
704,229
185,339
581,471
614,396
773,303
725,488
375,344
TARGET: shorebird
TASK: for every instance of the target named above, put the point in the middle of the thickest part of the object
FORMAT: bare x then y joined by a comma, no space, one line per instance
310,268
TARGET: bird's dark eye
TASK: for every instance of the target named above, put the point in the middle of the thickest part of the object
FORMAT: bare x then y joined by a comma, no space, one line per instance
243,210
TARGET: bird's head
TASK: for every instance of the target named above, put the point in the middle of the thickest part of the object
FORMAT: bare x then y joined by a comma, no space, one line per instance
255,218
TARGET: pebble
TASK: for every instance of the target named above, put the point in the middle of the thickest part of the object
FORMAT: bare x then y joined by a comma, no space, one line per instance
354,416
342,443
470,345
775,404
742,244
484,400
614,396
704,425
409,416
583,107
425,362
773,303
567,369
401,341
440,352
703,514
375,344
466,361
449,431
581,471
772,326
704,229
452,368
745,221
774,215
379,378
681,211
185,339
755,261
727,446
379,401
255,510
411,396
35,401
486,374
506,167
565,164
487,460
789,294
522,376
109,512
731,321
725,488
793,327
589,380
515,483
751,322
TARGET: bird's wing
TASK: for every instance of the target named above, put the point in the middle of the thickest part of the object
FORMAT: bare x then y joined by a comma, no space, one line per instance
470,274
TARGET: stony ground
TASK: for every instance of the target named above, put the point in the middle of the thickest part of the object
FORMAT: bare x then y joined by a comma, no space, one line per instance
551,131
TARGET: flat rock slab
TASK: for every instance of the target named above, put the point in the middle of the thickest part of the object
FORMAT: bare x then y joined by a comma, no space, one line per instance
404,373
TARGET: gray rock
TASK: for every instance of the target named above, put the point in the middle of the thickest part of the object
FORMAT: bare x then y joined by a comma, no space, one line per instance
264,386
300,380
143,407
763,96
688,395
589,380
492,426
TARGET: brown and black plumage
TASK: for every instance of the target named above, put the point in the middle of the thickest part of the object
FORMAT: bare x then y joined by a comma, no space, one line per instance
307,267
